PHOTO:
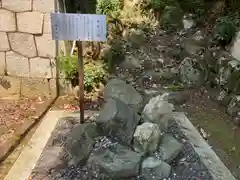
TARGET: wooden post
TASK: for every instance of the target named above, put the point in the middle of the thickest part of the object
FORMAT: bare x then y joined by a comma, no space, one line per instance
81,80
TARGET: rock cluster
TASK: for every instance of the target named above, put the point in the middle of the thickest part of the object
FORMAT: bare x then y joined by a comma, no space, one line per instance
206,62
123,143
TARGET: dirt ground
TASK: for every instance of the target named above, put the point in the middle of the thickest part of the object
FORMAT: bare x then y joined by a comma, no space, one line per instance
16,117
208,116
71,103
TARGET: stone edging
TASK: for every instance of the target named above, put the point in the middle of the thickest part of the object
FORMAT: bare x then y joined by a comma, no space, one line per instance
23,166
215,166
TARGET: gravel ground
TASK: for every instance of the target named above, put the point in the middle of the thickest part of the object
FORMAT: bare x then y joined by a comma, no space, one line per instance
187,166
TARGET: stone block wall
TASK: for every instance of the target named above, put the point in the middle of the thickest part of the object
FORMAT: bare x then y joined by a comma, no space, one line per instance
27,51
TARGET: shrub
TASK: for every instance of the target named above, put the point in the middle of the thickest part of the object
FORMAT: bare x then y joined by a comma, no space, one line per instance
109,7
94,76
68,66
94,73
224,31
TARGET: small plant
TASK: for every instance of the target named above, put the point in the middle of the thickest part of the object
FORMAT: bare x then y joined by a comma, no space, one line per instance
109,7
225,31
68,66
94,73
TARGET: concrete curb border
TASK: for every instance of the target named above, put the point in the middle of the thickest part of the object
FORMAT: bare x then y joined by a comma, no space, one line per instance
22,168
215,166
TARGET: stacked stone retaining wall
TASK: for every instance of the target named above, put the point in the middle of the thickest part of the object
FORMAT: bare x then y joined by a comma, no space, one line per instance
27,51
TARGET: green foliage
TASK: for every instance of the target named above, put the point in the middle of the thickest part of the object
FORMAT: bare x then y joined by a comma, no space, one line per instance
224,31
109,7
68,66
94,75
94,72
161,4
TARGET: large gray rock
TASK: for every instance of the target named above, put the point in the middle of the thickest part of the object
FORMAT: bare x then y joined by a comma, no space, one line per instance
80,142
146,138
115,162
190,72
154,169
52,158
118,120
156,108
118,89
164,122
169,148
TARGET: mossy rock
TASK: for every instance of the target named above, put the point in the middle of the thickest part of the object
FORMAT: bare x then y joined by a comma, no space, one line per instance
172,18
